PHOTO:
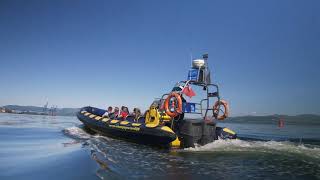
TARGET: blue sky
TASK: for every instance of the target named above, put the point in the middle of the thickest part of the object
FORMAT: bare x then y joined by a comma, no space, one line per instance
263,54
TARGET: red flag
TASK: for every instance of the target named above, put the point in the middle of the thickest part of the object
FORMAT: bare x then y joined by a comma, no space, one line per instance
188,92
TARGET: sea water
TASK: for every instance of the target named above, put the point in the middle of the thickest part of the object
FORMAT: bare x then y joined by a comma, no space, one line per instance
46,147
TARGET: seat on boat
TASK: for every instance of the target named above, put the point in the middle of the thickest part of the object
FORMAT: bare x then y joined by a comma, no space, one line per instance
141,119
152,117
130,118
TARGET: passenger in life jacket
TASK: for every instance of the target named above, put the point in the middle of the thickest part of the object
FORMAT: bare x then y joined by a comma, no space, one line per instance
114,114
136,114
124,113
108,112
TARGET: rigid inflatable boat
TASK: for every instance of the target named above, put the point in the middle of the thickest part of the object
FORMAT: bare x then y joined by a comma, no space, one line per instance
134,131
171,121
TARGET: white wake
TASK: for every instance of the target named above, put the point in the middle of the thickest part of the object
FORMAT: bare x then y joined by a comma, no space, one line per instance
260,146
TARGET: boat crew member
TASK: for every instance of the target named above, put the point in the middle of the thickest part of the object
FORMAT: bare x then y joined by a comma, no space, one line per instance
108,112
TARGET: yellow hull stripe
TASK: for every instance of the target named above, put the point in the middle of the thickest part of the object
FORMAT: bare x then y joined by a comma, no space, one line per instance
151,125
114,121
136,124
98,118
105,119
166,128
124,122
92,116
176,143
228,131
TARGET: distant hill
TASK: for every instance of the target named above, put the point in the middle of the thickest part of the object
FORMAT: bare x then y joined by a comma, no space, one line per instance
303,119
59,112
24,108
307,119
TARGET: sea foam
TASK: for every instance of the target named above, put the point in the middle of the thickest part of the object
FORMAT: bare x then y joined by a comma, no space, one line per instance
238,145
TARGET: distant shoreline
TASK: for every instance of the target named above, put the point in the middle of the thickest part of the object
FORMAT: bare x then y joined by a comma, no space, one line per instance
303,119
34,110
310,119
31,113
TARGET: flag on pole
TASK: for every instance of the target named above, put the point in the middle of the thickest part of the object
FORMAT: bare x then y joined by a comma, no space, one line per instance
188,91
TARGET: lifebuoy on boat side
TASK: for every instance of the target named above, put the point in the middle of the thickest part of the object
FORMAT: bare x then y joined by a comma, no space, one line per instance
216,108
177,110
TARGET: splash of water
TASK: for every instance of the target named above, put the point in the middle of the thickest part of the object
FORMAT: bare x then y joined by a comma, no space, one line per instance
77,133
258,146
113,155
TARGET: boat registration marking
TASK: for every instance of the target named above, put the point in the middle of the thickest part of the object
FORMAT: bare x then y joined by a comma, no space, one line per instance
125,127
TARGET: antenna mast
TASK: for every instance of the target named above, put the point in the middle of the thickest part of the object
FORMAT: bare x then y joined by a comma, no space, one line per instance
191,58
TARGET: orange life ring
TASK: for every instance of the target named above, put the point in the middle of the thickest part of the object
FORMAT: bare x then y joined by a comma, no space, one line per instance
177,110
216,109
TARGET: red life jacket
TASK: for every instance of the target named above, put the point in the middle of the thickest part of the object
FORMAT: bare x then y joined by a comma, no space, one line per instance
124,114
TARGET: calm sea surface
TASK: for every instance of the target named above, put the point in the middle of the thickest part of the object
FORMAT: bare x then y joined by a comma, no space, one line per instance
43,147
